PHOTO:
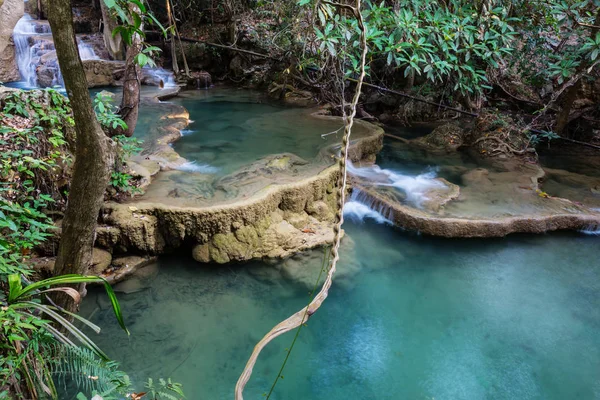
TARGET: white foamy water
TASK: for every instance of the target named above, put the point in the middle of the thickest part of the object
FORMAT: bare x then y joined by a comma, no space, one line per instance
29,50
86,52
192,166
24,52
161,77
186,132
359,212
414,187
592,230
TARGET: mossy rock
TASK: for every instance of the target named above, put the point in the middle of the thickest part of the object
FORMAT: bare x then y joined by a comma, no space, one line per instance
445,137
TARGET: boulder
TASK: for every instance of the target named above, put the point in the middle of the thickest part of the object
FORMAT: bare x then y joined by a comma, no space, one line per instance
10,13
122,268
199,80
320,210
101,260
445,137
103,72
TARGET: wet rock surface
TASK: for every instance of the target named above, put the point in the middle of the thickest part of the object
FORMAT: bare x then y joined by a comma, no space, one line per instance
445,137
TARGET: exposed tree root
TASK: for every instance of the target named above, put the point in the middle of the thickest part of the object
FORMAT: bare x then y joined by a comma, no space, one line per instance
503,147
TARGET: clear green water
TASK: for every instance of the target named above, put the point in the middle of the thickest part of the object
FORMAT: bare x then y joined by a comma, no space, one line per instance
409,317
233,128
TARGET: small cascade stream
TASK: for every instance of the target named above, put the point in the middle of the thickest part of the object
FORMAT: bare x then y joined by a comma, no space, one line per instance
412,190
35,49
159,77
34,45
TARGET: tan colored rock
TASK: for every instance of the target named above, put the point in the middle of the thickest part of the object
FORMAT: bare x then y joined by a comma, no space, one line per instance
103,72
107,236
438,197
44,265
137,230
10,13
124,267
478,176
101,260
320,210
297,220
201,253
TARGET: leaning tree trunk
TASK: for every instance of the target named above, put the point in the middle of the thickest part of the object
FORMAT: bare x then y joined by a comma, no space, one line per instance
92,154
129,109
562,119
114,44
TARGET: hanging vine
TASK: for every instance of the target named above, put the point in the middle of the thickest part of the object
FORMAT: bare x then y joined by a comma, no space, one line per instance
300,317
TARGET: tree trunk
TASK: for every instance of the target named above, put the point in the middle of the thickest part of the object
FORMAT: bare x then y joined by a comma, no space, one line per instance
562,120
93,154
114,44
130,102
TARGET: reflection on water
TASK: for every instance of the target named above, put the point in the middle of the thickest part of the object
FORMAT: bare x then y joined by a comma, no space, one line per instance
408,318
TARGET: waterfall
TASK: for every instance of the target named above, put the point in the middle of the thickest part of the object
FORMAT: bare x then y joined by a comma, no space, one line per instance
193,166
361,206
414,188
32,41
159,77
593,230
391,188
86,52
25,52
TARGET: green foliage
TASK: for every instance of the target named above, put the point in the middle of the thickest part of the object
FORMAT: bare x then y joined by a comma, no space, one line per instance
86,370
119,178
446,42
39,343
34,154
123,182
536,138
106,112
132,15
128,146
27,336
164,389
33,157
559,39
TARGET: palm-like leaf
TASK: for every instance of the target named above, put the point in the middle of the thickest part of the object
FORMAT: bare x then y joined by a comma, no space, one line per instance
17,292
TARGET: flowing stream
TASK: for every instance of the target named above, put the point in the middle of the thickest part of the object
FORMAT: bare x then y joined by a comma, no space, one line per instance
33,40
408,317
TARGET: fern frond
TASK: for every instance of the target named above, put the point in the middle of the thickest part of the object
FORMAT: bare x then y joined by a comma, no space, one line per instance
81,367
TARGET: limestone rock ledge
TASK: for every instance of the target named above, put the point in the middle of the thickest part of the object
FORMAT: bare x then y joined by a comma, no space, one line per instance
276,222
284,220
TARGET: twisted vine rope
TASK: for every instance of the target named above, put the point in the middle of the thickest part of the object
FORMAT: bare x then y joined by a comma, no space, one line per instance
301,316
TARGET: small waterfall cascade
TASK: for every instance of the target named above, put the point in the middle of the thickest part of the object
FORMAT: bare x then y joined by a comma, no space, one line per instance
361,207
159,77
34,47
390,185
28,53
592,230
413,188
